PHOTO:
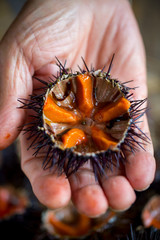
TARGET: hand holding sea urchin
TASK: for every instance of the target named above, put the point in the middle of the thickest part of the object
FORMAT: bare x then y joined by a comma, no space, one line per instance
84,116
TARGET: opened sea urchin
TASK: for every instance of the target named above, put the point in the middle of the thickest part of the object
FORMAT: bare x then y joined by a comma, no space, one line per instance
84,116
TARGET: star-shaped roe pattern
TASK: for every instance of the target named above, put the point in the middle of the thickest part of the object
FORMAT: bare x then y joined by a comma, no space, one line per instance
86,123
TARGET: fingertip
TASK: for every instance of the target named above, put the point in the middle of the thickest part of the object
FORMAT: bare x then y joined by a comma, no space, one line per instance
52,191
119,193
87,194
90,200
140,170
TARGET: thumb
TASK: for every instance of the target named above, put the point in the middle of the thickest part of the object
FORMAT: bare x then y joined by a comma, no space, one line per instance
15,82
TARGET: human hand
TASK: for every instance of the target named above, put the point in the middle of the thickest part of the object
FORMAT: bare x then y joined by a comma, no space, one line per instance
71,29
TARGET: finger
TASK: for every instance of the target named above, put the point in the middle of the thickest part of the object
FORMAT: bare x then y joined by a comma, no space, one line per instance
10,120
140,170
119,192
87,194
51,190
16,82
141,166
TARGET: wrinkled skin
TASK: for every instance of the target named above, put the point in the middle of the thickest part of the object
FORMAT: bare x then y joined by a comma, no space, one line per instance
70,29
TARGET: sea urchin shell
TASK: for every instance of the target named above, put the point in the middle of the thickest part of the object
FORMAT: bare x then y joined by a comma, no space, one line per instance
84,116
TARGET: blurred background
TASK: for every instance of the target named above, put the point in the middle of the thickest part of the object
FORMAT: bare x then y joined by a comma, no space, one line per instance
147,13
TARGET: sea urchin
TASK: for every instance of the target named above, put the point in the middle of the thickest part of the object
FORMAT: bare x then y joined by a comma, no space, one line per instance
84,116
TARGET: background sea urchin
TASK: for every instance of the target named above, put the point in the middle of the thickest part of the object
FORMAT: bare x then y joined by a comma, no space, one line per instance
84,116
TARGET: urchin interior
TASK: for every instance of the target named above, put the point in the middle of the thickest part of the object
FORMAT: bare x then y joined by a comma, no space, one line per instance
81,108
